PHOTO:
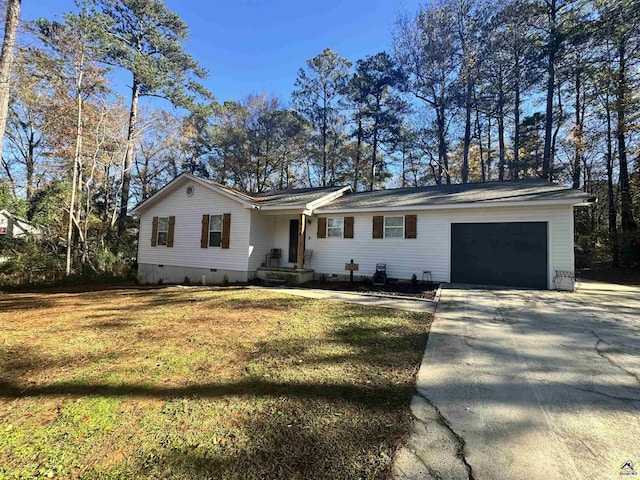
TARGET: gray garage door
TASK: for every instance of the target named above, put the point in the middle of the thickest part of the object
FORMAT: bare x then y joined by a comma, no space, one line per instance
510,254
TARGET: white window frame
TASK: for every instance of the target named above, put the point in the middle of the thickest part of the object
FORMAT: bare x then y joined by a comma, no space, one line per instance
165,231
211,230
339,228
395,227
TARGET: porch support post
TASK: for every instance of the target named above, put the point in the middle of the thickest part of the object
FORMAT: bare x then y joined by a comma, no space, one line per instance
301,232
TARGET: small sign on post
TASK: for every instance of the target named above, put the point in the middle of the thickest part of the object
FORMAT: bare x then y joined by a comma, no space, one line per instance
351,267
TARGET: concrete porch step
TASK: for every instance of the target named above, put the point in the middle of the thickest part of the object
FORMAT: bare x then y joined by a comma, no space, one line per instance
283,275
275,279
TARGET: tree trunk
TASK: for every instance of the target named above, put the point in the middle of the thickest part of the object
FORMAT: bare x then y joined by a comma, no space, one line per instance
324,143
404,169
489,148
515,170
467,131
501,144
577,137
628,222
128,157
551,70
613,228
442,147
554,136
483,170
356,172
6,62
30,164
282,170
374,147
76,161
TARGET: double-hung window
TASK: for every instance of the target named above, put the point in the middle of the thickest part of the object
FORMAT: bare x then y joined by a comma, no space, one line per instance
393,227
163,230
215,230
334,227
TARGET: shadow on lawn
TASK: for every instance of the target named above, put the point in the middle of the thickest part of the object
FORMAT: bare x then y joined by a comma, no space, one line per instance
53,297
288,446
217,297
28,362
387,348
21,302
382,347
621,397
372,397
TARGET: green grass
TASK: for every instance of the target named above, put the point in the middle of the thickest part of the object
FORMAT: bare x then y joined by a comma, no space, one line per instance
200,383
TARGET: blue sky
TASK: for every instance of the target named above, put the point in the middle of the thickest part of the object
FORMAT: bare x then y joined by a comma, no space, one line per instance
259,45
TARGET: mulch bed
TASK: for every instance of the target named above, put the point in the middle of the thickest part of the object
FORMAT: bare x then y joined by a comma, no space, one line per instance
425,290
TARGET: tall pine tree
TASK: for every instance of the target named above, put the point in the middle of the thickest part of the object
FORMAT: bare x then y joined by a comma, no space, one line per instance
146,38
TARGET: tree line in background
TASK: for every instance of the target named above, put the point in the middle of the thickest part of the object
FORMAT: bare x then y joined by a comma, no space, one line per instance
468,91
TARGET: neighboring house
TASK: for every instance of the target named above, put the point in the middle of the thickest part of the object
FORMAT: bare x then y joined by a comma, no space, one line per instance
517,233
14,227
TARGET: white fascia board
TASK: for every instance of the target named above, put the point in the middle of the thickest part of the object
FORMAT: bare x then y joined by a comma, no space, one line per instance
273,210
283,207
308,207
453,206
221,191
327,198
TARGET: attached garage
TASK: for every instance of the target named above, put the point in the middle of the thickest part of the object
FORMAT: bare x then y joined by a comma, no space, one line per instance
512,254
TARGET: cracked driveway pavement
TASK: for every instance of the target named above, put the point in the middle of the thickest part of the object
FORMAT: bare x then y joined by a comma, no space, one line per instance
521,384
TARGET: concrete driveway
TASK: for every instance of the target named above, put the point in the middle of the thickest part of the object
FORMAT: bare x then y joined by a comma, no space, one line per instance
519,384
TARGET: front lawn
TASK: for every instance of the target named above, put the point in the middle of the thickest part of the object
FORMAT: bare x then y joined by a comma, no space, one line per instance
199,383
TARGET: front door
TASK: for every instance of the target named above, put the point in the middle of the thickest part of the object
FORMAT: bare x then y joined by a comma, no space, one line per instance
293,240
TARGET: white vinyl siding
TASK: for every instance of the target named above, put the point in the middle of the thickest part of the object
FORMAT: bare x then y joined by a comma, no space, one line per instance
262,238
281,237
433,249
186,251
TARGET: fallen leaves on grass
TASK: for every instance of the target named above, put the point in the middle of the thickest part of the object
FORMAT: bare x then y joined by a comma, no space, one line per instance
200,383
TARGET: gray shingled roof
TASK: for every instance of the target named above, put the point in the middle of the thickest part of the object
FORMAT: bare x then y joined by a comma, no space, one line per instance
290,198
478,193
282,198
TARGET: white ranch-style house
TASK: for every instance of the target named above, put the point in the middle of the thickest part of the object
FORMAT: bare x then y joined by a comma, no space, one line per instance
516,233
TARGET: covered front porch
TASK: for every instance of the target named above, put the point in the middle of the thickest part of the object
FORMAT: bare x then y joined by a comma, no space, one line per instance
288,241
281,223
285,258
